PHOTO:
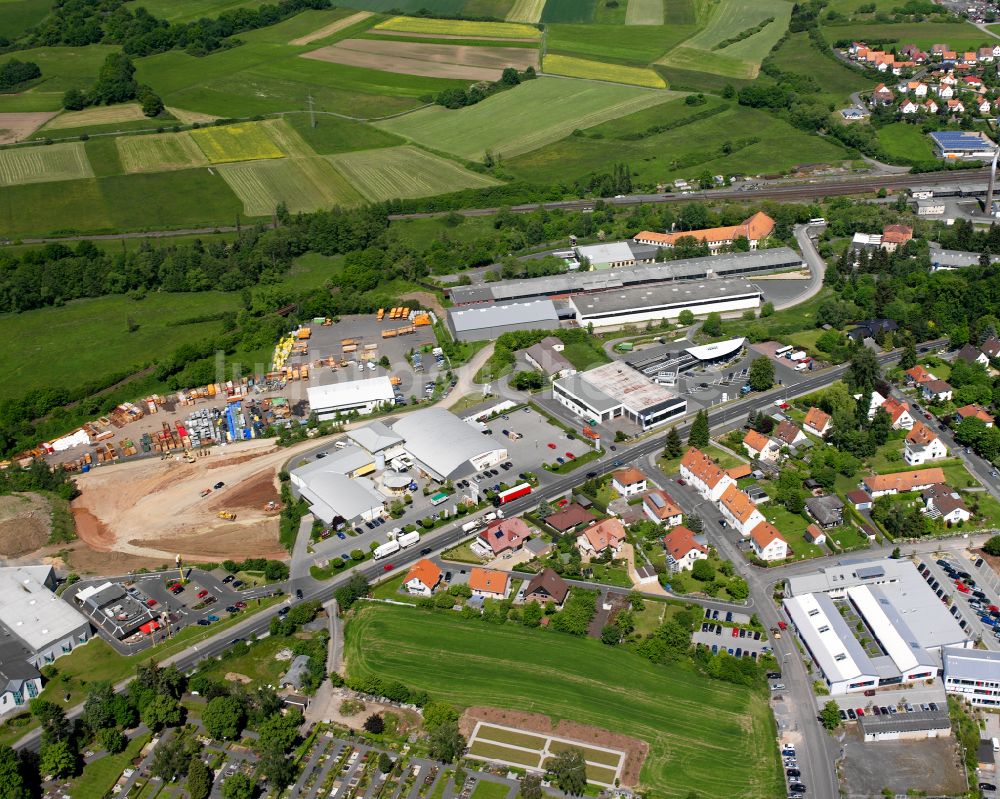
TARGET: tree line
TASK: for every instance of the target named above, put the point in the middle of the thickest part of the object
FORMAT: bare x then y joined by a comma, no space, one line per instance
14,73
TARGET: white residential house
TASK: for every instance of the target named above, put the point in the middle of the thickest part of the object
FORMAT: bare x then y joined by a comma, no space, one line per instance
704,475
660,507
683,548
937,390
760,447
941,501
984,107
628,482
908,107
945,92
422,578
923,445
877,401
817,422
739,511
898,413
956,107
767,543
931,107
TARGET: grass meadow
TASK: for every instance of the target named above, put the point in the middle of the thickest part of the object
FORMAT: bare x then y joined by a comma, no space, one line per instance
16,16
42,164
623,44
837,82
576,11
459,27
403,172
960,35
534,114
644,12
902,140
526,11
62,68
248,141
302,184
707,737
190,10
335,135
159,152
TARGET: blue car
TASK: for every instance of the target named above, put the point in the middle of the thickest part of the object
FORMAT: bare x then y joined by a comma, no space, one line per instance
212,617
341,536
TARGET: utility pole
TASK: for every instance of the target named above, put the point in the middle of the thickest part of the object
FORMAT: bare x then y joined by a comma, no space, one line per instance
312,112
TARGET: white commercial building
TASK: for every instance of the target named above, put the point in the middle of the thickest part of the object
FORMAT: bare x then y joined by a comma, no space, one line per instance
378,439
444,446
363,396
335,497
616,389
973,674
666,301
613,255
905,626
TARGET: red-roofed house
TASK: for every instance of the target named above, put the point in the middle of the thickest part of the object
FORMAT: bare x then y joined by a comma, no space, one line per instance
422,578
755,229
504,535
489,584
628,482
898,412
814,535
683,549
768,543
900,482
976,412
918,374
759,447
704,474
860,499
923,445
738,509
660,507
817,422
606,534
565,519
894,236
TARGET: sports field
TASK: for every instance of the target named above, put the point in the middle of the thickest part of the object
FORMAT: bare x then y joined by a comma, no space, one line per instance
158,152
573,67
302,184
526,11
729,19
460,28
43,164
644,12
705,737
248,141
530,116
402,172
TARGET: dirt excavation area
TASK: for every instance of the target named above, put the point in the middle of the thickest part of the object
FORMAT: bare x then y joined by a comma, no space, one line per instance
154,508
25,521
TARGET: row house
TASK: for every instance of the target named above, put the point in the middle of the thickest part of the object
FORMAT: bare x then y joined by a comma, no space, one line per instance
704,475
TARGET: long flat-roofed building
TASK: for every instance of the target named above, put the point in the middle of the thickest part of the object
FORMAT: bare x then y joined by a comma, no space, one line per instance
615,390
483,322
905,626
652,303
708,266
363,396
973,674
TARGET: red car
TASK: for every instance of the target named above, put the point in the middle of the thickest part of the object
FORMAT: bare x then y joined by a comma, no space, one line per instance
860,712
782,625
571,456
681,481
551,445
993,609
151,603
241,604
202,593
388,567
736,632
962,587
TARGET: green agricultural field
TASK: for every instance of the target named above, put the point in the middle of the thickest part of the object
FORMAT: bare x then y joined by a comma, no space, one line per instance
43,208
42,337
680,12
573,67
706,737
434,6
568,11
901,140
62,68
760,144
43,164
526,11
189,10
459,27
177,199
334,135
16,16
403,172
960,35
250,141
729,19
644,12
798,54
302,184
534,114
159,152
625,44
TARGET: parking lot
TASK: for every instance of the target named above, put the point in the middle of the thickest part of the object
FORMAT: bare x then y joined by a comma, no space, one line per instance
976,607
737,641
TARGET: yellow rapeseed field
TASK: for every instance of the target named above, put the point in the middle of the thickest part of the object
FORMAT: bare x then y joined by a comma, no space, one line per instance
247,141
459,27
598,70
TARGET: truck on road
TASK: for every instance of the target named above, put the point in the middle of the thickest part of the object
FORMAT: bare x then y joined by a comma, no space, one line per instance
385,550
408,539
516,492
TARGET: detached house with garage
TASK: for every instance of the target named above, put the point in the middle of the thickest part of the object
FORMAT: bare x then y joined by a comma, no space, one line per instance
788,434
880,485
972,354
974,411
943,502
608,534
489,584
760,447
923,445
739,511
898,413
704,474
683,548
936,391
503,536
827,510
545,587
817,422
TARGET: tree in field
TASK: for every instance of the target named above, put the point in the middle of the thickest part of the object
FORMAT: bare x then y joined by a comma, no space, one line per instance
199,779
703,571
509,77
162,711
699,435
224,718
374,724
830,715
863,372
712,326
55,726
530,787
761,376
58,759
115,81
446,742
568,770
239,786
438,713
673,447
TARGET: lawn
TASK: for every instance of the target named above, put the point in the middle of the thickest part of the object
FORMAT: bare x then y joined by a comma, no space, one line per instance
530,116
99,776
256,662
904,141
709,737
16,16
62,68
490,790
707,50
403,172
757,142
723,458
792,526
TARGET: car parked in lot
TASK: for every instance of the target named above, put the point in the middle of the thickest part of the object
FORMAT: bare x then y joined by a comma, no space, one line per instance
851,714
232,609
204,622
228,579
212,617
202,593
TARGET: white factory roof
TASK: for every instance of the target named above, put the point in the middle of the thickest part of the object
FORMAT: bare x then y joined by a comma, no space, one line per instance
331,495
441,441
627,386
374,437
971,664
478,317
350,393
339,461
718,349
31,611
883,628
612,252
828,638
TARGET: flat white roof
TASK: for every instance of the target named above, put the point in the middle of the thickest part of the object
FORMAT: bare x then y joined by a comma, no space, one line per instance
627,386
718,349
331,495
613,252
443,442
828,638
34,613
350,393
971,664
886,632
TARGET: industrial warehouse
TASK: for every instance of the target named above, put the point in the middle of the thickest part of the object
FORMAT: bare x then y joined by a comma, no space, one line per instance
617,390
484,322
870,624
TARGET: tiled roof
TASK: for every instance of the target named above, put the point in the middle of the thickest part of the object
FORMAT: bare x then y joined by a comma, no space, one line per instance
817,419
679,541
661,504
487,580
904,481
568,518
736,472
764,533
550,583
759,226
921,434
738,504
975,410
629,476
756,441
505,534
426,571
919,374
702,467
786,432
858,496
604,534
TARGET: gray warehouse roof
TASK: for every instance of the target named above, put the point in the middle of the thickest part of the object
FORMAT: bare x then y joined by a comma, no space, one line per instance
374,437
441,441
331,495
515,313
971,664
956,259
685,268
906,722
34,613
644,297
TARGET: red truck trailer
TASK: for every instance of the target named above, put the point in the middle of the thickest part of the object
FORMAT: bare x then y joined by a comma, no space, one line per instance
516,492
